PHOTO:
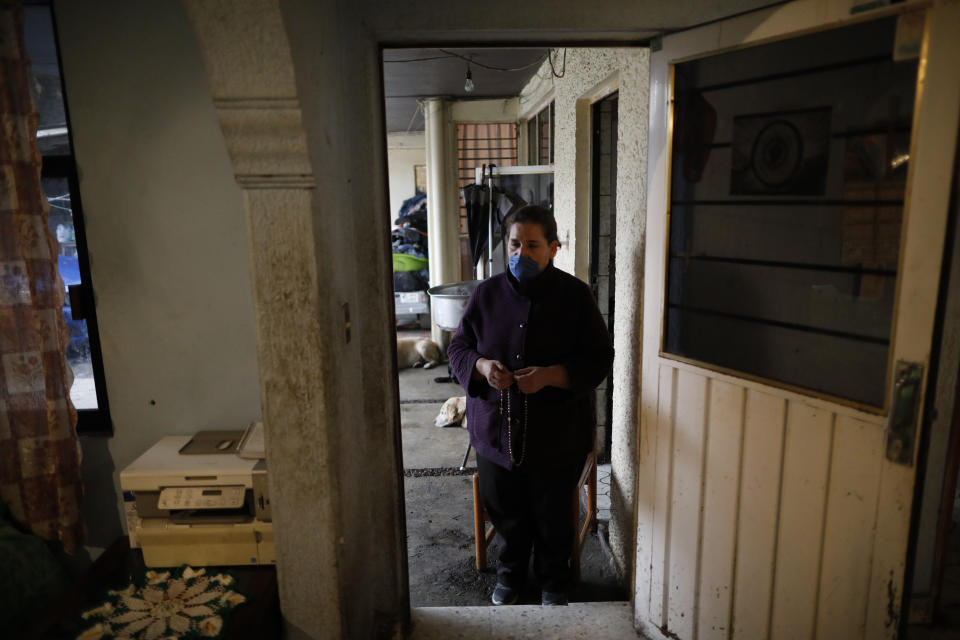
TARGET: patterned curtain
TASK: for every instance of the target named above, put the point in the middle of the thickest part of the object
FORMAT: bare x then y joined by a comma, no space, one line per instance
39,450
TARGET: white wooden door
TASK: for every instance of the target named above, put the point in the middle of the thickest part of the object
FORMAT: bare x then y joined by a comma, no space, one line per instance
769,509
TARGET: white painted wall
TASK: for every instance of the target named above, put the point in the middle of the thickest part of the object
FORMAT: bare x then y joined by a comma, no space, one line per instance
167,236
404,151
590,74
500,110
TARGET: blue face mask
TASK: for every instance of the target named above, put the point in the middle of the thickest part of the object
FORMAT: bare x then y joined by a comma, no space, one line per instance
524,269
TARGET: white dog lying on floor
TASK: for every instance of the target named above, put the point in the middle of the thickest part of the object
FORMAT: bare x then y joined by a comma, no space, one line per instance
452,413
414,352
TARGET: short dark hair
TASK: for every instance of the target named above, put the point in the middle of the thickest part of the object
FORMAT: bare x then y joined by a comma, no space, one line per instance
534,213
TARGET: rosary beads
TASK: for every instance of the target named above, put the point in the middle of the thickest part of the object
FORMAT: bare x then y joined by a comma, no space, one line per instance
523,450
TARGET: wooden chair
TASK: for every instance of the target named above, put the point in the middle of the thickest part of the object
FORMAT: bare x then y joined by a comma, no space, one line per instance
587,482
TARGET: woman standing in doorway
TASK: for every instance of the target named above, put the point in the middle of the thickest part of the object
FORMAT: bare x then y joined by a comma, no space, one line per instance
530,350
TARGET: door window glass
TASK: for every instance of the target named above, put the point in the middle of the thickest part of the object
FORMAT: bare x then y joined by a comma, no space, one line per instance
787,187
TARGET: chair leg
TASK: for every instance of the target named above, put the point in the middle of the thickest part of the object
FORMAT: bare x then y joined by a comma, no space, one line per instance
479,536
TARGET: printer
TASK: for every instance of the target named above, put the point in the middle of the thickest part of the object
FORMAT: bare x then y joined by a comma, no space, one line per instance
197,500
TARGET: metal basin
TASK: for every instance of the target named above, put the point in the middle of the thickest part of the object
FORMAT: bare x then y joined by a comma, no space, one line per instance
448,302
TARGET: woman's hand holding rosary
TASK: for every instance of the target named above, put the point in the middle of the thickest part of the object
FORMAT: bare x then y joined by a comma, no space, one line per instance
496,374
532,379
529,379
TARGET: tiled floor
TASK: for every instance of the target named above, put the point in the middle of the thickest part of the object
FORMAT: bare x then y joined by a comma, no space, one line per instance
603,492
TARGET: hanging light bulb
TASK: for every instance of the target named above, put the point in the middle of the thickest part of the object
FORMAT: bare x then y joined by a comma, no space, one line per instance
468,83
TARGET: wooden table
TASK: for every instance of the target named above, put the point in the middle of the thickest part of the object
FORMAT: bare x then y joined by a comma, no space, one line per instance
256,619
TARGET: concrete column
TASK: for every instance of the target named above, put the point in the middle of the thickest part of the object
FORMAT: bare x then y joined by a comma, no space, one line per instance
443,243
307,158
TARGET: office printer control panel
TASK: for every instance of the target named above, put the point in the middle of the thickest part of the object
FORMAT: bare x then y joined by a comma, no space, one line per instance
223,497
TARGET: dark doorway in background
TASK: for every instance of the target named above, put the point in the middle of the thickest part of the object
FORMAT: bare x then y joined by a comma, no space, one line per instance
603,237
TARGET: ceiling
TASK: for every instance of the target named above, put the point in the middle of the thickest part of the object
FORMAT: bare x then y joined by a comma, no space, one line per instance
410,74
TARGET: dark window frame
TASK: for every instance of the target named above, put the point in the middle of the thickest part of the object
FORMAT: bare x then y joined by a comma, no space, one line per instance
536,154
599,111
63,166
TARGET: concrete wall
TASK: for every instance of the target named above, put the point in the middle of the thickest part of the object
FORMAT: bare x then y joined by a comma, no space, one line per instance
307,144
404,151
165,227
590,75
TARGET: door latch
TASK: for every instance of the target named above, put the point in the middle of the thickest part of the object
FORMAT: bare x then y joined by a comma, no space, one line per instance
904,412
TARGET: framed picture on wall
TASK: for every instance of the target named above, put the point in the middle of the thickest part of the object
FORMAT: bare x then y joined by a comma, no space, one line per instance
783,153
420,178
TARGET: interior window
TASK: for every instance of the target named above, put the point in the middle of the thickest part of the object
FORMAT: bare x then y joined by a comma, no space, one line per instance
60,185
787,188
540,136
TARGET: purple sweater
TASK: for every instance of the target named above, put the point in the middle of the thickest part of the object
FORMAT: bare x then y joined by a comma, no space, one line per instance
554,321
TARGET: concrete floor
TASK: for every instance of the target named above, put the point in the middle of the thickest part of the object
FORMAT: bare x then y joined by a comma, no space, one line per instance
419,385
439,508
424,445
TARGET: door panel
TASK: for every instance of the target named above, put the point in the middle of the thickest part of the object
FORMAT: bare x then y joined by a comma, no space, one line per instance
685,500
851,513
721,494
806,476
766,510
663,408
756,517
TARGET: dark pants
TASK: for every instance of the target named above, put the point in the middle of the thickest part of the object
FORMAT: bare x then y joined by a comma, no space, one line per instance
531,510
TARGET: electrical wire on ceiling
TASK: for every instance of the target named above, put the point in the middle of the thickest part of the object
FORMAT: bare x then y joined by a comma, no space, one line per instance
553,73
563,70
416,111
447,54
472,60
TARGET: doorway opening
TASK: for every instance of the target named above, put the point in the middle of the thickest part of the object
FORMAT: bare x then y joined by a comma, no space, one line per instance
933,578
503,125
603,244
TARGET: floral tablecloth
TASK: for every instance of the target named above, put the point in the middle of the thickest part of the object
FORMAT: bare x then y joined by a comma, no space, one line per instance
182,603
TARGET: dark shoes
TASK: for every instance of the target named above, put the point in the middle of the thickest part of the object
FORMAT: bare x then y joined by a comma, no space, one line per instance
502,594
550,599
